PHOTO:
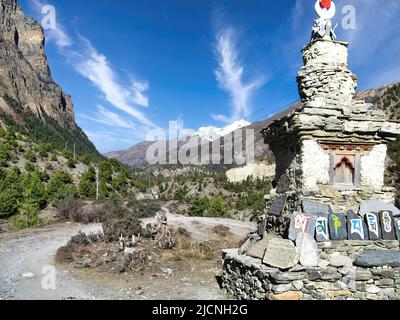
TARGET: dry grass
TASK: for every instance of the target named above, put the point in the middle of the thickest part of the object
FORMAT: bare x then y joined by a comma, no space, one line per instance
222,231
187,248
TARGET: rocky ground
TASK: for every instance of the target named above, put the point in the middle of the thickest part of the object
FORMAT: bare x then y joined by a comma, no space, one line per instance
24,255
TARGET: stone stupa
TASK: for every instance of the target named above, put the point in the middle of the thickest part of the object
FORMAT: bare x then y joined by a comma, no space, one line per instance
332,148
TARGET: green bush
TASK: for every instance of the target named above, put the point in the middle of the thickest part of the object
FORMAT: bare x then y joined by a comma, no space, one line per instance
23,221
87,185
198,207
61,186
10,192
34,195
216,207
30,156
181,193
29,166
71,163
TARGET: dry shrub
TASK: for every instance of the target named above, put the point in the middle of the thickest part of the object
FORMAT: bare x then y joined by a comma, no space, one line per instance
144,208
183,232
65,254
126,227
82,212
222,231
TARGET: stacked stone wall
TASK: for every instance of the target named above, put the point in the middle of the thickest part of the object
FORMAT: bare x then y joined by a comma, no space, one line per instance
336,278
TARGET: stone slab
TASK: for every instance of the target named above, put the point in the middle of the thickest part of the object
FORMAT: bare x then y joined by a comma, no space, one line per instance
322,229
387,225
277,206
337,226
281,253
316,208
378,258
374,229
377,206
302,223
397,227
257,250
356,227
308,250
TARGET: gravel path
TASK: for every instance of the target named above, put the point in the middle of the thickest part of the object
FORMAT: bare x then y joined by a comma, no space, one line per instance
32,251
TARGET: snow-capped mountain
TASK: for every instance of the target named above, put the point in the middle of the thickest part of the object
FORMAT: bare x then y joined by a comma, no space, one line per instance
212,133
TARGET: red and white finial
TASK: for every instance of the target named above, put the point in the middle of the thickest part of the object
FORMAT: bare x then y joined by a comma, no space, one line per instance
326,9
325,4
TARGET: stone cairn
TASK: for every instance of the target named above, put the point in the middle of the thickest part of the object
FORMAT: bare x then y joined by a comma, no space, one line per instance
331,230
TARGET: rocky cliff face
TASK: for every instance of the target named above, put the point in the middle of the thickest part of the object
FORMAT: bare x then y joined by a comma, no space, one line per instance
26,84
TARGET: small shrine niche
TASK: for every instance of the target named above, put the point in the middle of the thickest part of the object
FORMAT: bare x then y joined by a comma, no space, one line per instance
344,171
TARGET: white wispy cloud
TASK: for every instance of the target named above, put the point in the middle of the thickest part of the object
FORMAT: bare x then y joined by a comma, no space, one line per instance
95,67
58,35
109,118
230,76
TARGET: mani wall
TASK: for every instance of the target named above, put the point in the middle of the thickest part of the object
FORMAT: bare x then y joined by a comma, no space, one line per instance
347,270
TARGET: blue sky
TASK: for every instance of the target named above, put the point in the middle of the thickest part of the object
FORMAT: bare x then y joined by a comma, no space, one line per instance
134,65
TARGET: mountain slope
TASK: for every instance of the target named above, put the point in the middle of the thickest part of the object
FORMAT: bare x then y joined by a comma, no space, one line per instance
386,98
30,100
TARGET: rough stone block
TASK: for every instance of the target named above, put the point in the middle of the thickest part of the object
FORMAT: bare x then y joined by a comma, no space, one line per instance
281,253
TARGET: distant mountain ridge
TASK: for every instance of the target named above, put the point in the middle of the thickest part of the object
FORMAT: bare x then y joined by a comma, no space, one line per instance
212,133
136,156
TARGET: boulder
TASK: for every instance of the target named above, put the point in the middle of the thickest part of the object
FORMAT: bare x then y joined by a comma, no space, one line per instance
281,253
378,258
337,260
308,250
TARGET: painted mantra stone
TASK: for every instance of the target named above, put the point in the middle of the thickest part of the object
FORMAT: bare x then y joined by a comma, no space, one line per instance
374,229
337,226
397,227
302,223
356,227
387,226
322,229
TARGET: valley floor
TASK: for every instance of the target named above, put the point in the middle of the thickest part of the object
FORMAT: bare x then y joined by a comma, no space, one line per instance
32,250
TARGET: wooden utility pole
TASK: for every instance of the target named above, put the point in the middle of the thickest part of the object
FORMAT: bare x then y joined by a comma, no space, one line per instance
97,183
74,151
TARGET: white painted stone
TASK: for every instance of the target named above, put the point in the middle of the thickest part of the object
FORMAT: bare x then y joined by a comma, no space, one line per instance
308,250
373,167
315,165
28,275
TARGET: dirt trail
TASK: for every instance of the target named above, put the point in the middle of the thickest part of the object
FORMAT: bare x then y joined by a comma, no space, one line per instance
33,250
